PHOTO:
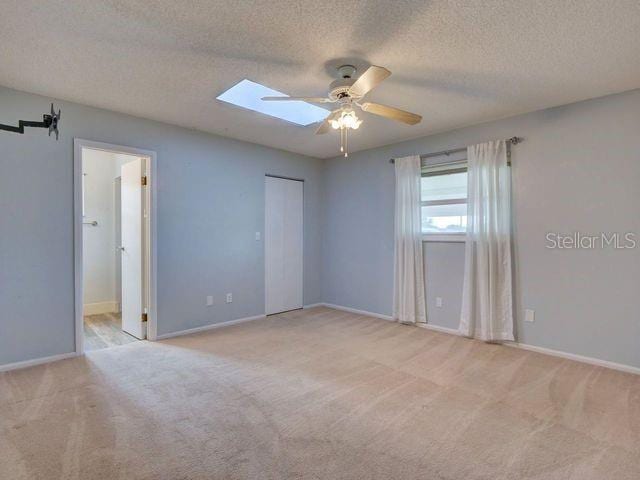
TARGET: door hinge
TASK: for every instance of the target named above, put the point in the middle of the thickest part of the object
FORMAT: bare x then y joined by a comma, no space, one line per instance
144,317
144,180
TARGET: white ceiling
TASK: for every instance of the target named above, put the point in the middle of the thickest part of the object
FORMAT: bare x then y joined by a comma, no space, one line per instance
454,62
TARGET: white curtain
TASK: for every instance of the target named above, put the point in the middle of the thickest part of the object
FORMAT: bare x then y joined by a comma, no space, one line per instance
408,287
487,311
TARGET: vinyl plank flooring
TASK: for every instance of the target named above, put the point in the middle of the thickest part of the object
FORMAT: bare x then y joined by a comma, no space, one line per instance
104,331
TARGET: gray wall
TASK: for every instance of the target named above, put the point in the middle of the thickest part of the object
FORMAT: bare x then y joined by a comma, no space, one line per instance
444,273
577,170
210,204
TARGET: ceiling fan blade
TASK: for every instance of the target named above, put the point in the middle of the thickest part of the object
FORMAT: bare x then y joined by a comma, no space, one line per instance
298,99
391,112
326,124
370,79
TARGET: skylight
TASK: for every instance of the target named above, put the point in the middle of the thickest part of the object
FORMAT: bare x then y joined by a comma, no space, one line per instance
248,94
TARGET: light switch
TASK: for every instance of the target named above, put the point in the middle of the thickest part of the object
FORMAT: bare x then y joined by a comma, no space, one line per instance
257,236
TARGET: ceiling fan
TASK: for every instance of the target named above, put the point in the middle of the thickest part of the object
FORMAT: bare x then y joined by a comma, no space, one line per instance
348,92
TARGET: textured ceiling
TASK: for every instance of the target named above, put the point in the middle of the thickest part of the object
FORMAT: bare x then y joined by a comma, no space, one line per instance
454,62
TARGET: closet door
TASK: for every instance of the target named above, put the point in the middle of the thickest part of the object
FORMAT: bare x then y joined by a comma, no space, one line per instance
283,240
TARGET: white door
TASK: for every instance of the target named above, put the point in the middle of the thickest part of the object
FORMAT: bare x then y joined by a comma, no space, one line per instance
283,244
132,251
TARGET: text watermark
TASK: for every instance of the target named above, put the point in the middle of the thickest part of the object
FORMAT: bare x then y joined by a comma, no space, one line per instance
581,241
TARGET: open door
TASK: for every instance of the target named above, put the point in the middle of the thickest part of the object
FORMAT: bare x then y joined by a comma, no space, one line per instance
132,251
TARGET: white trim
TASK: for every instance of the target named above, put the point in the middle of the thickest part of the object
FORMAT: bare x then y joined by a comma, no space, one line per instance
546,351
314,305
359,312
577,358
438,328
100,307
212,326
444,237
152,167
36,361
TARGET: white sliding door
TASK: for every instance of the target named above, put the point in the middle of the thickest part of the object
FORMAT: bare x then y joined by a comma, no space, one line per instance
283,239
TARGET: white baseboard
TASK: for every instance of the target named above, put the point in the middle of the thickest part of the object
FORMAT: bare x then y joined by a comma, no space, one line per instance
100,307
209,327
36,361
577,358
359,312
313,305
547,351
437,328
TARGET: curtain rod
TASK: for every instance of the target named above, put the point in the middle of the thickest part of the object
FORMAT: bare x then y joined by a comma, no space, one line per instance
510,141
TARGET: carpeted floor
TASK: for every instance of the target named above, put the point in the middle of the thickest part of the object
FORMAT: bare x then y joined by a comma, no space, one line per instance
318,394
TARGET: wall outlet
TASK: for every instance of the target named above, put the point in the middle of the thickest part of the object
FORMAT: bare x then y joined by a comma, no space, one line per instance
529,316
229,297
258,235
438,301
209,300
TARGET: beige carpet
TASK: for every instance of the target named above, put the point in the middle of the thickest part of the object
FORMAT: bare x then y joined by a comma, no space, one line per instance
318,394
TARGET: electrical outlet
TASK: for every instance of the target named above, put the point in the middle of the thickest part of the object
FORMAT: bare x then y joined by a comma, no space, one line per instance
229,297
529,316
438,301
209,300
257,236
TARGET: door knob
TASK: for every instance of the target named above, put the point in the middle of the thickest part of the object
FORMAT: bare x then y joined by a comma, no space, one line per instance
120,248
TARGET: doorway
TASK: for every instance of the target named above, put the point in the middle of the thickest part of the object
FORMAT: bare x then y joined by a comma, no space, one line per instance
114,247
283,240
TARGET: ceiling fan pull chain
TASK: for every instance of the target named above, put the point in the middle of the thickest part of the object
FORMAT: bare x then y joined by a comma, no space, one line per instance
346,142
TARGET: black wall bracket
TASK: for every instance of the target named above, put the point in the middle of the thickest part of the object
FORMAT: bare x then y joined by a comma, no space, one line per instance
49,121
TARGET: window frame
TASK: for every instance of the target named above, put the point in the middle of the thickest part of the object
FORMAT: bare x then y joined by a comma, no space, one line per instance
437,170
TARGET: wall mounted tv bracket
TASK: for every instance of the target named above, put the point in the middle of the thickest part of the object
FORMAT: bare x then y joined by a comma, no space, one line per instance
49,121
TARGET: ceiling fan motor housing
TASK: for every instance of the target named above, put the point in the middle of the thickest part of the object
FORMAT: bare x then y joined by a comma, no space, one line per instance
339,89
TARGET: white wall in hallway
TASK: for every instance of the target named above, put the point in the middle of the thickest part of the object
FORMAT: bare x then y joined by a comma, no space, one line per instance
101,259
99,242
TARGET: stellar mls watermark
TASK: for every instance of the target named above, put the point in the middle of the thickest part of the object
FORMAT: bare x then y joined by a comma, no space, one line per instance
602,240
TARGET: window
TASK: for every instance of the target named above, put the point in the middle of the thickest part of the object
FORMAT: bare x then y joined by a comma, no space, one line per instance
248,94
444,199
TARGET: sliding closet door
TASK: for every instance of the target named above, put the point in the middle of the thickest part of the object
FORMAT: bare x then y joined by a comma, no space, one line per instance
283,244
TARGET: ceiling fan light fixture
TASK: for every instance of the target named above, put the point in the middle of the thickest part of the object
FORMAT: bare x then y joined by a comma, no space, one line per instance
347,119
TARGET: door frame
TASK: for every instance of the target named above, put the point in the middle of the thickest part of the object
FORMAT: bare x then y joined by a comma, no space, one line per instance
150,225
